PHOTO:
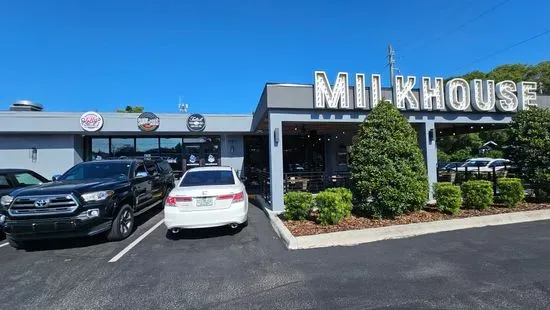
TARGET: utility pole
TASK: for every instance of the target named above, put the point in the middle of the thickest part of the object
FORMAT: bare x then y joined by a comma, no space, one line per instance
391,63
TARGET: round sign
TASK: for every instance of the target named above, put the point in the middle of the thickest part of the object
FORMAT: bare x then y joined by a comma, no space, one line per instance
148,121
196,122
211,158
91,121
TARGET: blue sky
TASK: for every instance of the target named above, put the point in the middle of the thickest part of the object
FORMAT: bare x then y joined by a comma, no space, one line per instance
73,55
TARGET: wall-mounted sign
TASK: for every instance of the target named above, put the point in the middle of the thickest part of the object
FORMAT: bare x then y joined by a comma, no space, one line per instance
91,121
148,121
196,122
433,94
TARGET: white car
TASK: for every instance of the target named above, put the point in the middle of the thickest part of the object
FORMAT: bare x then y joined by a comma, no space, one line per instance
484,164
206,197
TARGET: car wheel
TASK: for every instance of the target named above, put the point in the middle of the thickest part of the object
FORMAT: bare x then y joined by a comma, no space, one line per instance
123,224
16,243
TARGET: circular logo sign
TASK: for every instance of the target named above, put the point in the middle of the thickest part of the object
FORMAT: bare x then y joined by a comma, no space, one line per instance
91,121
148,121
211,158
196,122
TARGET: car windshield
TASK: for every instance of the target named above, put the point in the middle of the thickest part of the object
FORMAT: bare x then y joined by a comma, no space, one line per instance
98,170
207,177
476,163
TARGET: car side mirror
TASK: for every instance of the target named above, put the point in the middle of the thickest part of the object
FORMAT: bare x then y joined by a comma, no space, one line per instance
56,177
141,174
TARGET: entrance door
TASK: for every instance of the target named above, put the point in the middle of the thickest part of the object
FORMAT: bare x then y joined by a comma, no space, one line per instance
201,151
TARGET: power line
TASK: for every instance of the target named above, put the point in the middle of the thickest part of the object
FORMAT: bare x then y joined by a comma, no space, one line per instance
505,49
468,22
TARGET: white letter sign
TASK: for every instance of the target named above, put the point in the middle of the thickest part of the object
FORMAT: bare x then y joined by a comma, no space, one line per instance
325,96
375,90
483,95
527,95
404,97
508,101
457,95
360,98
429,94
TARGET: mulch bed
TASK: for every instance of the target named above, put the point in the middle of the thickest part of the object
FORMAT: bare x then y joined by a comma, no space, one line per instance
430,214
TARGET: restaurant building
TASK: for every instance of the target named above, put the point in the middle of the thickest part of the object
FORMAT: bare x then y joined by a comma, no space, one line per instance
298,138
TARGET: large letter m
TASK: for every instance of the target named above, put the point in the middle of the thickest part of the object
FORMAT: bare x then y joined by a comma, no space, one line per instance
331,97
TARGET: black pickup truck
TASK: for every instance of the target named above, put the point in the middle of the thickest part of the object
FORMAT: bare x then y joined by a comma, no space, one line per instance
90,198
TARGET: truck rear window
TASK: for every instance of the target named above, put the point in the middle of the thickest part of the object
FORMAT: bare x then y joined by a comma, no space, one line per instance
208,177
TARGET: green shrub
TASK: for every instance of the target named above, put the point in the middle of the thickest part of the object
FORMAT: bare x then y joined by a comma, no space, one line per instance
477,194
333,205
344,193
511,191
298,205
448,197
387,166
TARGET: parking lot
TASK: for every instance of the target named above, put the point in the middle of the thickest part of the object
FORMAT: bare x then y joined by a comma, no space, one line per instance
498,267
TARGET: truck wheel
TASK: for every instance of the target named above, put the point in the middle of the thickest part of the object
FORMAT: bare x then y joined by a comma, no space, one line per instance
123,224
16,244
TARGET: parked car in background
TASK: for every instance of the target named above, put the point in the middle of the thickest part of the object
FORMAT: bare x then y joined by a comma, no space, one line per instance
89,199
11,179
207,197
485,164
452,165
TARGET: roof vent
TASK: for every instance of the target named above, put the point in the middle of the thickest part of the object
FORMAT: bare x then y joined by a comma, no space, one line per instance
26,105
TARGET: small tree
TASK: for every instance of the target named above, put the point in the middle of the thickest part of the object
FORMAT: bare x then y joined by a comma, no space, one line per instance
131,109
530,149
387,165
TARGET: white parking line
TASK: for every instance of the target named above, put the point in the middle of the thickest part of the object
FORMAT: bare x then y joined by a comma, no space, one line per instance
3,244
133,244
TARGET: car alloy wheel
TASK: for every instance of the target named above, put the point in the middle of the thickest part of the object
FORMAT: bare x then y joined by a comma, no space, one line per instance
126,222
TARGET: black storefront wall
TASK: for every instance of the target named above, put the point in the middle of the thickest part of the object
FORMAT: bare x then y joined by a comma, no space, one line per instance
182,152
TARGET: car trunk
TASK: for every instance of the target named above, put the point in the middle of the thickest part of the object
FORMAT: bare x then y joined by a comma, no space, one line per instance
205,197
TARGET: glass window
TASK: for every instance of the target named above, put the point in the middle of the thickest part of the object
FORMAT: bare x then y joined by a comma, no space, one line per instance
122,147
141,170
171,149
476,163
4,182
151,168
205,178
100,148
98,170
147,146
25,178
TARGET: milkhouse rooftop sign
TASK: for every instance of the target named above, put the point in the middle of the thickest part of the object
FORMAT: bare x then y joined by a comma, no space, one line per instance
433,94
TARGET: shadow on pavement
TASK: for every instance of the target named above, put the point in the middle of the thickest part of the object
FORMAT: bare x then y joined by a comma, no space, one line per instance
81,242
203,233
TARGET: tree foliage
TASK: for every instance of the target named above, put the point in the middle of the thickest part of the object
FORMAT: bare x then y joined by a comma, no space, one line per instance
387,165
131,109
539,73
530,148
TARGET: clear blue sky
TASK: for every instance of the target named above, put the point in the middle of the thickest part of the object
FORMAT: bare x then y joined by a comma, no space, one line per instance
73,55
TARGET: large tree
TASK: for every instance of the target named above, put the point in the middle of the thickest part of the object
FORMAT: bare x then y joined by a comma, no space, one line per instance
530,148
387,165
131,109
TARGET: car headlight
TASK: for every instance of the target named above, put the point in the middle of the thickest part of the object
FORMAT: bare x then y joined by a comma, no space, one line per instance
96,196
6,200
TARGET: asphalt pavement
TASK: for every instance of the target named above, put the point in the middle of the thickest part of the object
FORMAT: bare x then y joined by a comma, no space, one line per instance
489,268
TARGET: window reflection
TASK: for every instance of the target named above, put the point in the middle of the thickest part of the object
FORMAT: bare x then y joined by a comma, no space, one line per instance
122,147
100,148
147,146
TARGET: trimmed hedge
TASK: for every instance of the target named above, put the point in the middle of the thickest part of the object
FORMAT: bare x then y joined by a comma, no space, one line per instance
333,205
448,197
477,194
511,191
298,205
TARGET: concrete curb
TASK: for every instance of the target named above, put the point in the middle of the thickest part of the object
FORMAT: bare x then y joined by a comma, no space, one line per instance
354,237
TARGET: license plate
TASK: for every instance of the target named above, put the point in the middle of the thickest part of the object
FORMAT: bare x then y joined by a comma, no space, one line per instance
204,202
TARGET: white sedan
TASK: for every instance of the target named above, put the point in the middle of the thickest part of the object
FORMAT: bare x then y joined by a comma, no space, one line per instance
207,197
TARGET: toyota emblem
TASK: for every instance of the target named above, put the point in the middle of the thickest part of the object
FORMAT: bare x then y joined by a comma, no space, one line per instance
42,203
